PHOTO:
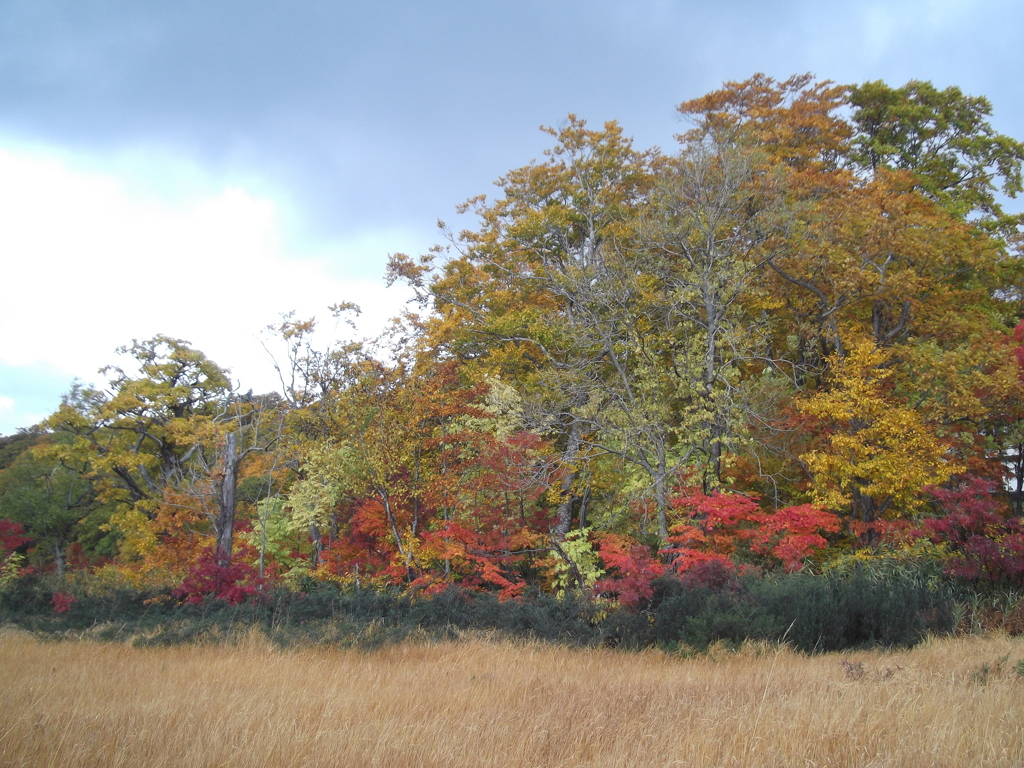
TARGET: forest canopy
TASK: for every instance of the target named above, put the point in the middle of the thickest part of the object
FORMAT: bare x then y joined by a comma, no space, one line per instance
791,339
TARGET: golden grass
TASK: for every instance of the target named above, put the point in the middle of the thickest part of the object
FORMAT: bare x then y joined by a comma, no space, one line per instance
489,703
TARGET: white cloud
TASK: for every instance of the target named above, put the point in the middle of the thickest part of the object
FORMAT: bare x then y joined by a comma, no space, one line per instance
6,403
93,259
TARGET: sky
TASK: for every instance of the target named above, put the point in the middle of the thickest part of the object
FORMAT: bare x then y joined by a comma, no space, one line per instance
197,168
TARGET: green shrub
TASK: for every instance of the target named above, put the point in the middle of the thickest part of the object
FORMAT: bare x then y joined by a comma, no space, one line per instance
812,613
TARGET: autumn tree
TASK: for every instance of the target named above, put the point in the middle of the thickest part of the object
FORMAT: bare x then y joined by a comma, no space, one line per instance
518,300
144,434
314,383
245,425
708,237
870,242
413,482
877,453
145,427
875,246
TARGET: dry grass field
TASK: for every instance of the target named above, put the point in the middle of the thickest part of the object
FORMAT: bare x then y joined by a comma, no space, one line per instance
953,702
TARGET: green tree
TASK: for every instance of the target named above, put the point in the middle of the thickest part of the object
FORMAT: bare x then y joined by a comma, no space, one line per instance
943,137
50,500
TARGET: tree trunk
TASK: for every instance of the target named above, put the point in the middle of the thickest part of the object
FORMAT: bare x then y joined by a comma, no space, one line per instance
661,503
226,518
565,507
1018,481
584,507
317,540
866,510
59,560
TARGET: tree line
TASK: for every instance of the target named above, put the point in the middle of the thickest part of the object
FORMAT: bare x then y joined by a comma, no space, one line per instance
790,342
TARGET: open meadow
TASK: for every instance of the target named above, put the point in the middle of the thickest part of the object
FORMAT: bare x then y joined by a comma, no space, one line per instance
949,702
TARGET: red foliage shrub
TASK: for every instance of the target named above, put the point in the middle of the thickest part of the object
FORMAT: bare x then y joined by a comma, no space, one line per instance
11,537
233,584
62,602
718,522
987,544
630,569
479,560
792,534
714,574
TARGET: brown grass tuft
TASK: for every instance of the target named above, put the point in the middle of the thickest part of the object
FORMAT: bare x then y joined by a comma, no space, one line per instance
490,703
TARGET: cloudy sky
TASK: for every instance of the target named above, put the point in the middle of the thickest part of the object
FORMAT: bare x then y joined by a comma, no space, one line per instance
196,168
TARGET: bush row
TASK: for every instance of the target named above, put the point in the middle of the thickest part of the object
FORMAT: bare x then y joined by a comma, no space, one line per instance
811,613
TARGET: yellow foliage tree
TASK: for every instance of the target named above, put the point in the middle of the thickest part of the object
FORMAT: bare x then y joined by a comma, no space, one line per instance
878,453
